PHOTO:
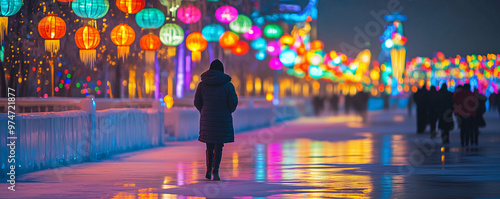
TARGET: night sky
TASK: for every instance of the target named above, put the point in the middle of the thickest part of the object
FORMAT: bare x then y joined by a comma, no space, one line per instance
450,26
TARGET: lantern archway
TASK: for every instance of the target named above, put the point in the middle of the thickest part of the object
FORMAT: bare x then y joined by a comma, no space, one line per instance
123,36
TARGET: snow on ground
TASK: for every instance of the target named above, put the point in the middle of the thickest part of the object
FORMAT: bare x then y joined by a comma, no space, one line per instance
328,156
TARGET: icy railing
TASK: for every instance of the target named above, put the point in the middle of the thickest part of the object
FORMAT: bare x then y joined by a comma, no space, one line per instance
54,139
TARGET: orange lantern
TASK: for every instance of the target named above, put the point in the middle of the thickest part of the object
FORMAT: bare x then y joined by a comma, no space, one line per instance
150,43
123,36
317,45
87,39
130,6
286,39
52,28
196,43
241,48
228,39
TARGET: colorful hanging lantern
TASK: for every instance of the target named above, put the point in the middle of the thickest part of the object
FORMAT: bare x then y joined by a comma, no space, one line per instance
241,48
189,14
273,31
212,32
241,24
273,48
172,6
87,39
287,57
275,63
317,45
261,55
196,43
130,6
287,39
150,43
253,33
65,1
150,18
228,40
7,8
259,44
171,35
226,14
123,36
91,9
52,28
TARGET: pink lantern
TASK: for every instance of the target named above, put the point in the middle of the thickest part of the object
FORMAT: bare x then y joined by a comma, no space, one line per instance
254,33
275,63
189,14
226,14
273,48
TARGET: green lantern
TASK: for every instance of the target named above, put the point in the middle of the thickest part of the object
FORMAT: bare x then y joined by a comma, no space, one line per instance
212,32
241,24
171,34
92,9
150,18
273,31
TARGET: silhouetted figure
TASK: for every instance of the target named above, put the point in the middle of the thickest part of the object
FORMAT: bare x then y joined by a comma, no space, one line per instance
410,104
480,122
318,104
385,97
421,100
334,103
497,102
433,104
361,104
216,100
445,123
347,103
465,109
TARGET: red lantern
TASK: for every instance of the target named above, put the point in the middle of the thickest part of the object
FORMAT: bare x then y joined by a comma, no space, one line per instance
241,48
317,45
87,39
130,6
65,1
123,36
196,43
150,43
52,28
228,39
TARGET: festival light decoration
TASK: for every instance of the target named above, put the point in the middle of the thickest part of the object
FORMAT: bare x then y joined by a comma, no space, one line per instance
212,32
52,28
87,39
150,18
189,14
65,1
273,48
241,24
287,39
123,36
287,57
228,40
172,6
7,8
317,45
226,14
261,55
241,48
91,9
150,43
171,35
275,63
273,31
253,33
196,43
130,6
259,44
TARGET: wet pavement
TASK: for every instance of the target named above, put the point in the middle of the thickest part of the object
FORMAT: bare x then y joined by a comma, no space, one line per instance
315,157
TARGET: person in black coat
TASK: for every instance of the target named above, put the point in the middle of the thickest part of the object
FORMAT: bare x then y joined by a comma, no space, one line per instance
433,109
445,123
421,100
480,122
216,100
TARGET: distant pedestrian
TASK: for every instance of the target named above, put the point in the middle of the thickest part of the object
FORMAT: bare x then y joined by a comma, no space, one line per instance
420,98
334,103
317,102
466,104
216,100
433,109
445,123
480,122
410,104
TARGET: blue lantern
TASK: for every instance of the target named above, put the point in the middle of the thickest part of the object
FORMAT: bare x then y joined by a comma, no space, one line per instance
150,18
212,32
259,44
261,55
287,57
92,9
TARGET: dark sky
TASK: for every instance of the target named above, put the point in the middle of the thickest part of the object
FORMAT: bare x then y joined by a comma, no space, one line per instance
450,26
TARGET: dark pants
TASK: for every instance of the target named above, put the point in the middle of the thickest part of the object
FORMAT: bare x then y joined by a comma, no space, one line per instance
217,147
445,135
214,157
466,129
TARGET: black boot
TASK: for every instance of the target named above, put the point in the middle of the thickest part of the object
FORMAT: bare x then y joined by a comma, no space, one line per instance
210,162
217,159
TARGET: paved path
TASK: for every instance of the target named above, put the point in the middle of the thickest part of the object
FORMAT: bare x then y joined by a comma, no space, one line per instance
335,157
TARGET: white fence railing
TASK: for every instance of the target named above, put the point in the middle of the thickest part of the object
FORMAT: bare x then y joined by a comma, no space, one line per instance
54,139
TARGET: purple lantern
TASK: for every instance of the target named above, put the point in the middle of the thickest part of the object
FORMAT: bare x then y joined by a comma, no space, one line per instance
254,33
226,14
275,63
189,14
273,48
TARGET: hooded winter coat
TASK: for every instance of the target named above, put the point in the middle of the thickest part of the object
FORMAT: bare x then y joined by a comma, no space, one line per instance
216,100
